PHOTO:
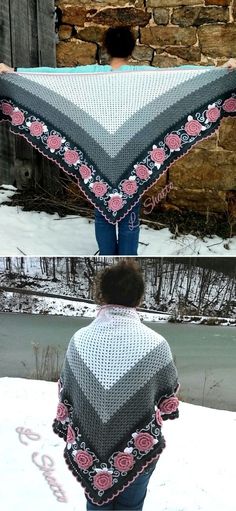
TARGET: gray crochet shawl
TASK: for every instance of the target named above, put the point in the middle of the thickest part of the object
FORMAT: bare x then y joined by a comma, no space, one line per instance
118,132
117,385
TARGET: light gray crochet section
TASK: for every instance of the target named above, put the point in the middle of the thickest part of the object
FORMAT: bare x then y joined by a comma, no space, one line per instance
109,349
107,401
111,99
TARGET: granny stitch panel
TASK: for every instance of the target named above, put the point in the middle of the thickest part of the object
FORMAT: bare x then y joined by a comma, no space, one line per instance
117,386
117,133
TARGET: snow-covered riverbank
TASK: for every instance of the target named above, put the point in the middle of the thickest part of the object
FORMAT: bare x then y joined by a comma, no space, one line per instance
15,303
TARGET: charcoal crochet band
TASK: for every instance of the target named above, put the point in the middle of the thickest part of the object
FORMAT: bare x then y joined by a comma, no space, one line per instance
114,393
117,133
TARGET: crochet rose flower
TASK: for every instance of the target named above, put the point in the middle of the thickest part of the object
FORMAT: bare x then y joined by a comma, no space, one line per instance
129,187
62,412
99,189
85,171
144,442
115,203
7,109
102,480
158,155
173,141
169,405
124,461
213,114
54,142
70,435
193,127
17,117
83,459
36,129
229,105
71,157
142,172
158,416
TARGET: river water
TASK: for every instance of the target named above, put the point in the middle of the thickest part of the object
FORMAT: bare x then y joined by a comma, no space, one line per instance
205,355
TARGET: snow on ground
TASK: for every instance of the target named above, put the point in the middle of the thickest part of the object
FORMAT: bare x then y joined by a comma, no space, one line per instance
61,307
33,233
11,302
195,472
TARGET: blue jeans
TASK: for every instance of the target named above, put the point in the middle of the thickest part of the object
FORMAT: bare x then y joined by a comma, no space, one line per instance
128,234
132,498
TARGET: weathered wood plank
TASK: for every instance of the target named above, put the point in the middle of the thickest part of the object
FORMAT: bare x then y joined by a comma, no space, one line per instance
20,33
46,173
27,39
6,140
46,32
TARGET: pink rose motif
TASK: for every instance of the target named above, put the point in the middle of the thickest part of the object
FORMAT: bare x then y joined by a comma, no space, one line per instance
17,118
7,109
129,187
144,441
54,142
159,419
102,480
142,172
83,459
62,412
158,155
213,114
173,141
85,171
115,203
124,461
36,129
193,127
99,189
169,405
229,105
71,157
70,435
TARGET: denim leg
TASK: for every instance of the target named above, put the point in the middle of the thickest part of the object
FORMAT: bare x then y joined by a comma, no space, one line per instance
130,499
105,235
128,230
133,497
92,507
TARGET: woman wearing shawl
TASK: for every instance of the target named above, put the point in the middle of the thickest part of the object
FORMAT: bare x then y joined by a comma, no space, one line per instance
118,384
119,43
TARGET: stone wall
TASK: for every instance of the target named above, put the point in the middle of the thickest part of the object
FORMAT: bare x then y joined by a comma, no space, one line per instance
169,33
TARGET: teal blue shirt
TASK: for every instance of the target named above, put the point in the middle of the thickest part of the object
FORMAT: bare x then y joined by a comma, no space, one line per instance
93,68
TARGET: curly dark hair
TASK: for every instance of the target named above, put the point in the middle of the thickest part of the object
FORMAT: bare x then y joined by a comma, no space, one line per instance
119,42
120,284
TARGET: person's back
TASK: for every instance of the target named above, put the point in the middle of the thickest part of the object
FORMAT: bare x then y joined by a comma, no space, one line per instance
118,384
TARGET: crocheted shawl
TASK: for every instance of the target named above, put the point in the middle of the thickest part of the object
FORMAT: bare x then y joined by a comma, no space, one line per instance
117,132
117,385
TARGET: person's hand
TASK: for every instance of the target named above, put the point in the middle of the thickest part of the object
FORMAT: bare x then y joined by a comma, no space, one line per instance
6,69
230,64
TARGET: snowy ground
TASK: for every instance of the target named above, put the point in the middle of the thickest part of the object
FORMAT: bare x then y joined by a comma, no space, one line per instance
32,233
10,302
195,472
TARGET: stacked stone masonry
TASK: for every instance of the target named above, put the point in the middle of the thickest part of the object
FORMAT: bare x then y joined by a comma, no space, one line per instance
168,33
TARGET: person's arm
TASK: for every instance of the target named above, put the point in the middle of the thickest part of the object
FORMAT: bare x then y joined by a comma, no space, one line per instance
167,402
78,69
63,413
